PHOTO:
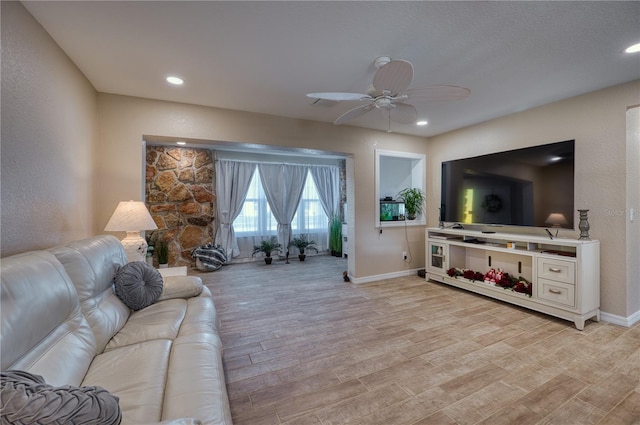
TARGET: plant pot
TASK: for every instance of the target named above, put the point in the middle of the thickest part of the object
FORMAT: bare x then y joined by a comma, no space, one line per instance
163,266
336,253
268,260
411,216
302,257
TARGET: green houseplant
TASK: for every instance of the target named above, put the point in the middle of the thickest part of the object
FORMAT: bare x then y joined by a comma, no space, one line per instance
335,235
303,243
162,251
414,200
267,247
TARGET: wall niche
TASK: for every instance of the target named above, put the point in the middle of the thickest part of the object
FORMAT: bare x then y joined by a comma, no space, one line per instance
179,195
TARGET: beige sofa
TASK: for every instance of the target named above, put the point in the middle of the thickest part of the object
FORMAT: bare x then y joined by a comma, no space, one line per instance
62,320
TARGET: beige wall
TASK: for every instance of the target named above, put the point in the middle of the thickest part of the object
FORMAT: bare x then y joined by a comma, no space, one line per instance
597,122
125,120
633,203
48,134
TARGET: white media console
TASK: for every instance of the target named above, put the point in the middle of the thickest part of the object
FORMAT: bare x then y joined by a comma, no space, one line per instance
564,273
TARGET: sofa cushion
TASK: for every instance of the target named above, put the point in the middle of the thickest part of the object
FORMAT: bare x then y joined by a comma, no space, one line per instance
137,374
158,321
92,263
26,398
43,330
195,382
138,284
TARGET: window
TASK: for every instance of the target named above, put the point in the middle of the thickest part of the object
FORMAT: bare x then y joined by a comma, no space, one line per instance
256,218
310,216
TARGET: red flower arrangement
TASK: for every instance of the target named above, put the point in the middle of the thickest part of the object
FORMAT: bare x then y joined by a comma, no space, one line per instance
495,277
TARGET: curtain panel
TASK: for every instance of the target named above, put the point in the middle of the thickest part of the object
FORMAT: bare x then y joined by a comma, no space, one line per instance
327,180
232,182
283,185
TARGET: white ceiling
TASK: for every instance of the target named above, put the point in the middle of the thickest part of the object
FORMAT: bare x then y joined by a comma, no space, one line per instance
265,56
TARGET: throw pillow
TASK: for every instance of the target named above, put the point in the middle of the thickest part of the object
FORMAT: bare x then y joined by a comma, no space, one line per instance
138,284
180,287
27,399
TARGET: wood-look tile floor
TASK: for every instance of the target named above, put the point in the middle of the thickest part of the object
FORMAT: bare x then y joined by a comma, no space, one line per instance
304,347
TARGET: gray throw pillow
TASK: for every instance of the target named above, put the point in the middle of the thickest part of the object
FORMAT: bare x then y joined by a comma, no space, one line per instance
138,284
27,399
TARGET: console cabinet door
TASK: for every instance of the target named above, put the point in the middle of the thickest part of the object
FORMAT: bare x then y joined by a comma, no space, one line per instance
438,255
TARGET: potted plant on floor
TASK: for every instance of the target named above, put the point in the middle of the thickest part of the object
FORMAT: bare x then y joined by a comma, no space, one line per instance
267,247
413,199
335,235
303,243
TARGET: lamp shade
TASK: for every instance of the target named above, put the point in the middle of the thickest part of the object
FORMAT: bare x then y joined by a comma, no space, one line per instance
556,219
130,216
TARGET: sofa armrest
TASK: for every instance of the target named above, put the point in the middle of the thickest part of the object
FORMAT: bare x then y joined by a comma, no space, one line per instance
180,287
181,421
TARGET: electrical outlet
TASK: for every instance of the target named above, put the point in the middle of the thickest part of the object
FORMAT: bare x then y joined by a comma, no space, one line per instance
404,255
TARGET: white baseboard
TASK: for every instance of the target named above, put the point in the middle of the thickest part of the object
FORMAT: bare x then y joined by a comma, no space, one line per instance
619,320
378,277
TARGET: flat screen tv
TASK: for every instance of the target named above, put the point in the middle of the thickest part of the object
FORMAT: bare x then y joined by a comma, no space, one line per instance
523,187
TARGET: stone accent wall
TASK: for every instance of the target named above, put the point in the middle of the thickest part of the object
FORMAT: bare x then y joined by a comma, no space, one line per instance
179,195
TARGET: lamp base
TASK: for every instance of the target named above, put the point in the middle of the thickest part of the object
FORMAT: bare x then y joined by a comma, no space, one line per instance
135,246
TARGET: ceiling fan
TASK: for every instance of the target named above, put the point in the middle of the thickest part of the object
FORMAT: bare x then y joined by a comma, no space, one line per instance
389,92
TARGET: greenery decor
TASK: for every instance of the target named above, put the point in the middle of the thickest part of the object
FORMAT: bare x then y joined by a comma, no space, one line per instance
162,250
414,200
267,247
303,243
335,235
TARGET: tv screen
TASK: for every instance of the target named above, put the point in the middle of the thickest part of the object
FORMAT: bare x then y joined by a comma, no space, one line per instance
523,187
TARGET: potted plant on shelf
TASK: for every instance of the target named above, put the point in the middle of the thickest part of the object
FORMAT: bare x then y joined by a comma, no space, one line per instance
267,247
413,199
335,235
303,243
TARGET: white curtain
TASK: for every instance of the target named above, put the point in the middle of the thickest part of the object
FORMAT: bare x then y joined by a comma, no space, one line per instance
232,183
327,180
283,185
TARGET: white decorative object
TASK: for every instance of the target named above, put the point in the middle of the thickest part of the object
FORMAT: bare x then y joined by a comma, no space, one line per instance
565,273
132,217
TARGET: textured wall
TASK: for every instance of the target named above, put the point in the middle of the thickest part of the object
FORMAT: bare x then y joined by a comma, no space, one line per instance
48,136
179,194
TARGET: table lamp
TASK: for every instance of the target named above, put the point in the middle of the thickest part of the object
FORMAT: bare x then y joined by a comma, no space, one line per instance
556,220
132,217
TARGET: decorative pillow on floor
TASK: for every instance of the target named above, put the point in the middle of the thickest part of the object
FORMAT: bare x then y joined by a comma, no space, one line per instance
27,399
138,284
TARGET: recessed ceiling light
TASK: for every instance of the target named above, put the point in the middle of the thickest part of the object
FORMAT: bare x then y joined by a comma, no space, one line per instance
181,142
422,123
633,49
175,80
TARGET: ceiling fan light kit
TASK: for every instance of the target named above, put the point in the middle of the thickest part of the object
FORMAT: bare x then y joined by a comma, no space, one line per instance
389,92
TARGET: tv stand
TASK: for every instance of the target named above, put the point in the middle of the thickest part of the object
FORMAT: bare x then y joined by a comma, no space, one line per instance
562,275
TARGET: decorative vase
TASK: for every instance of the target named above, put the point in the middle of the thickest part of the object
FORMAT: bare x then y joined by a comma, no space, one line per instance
302,257
584,226
268,260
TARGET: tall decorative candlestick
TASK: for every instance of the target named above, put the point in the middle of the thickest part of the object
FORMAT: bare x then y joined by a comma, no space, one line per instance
584,226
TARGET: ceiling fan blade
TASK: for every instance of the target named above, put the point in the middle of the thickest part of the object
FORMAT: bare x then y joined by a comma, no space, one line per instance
437,93
403,113
393,77
353,113
338,96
